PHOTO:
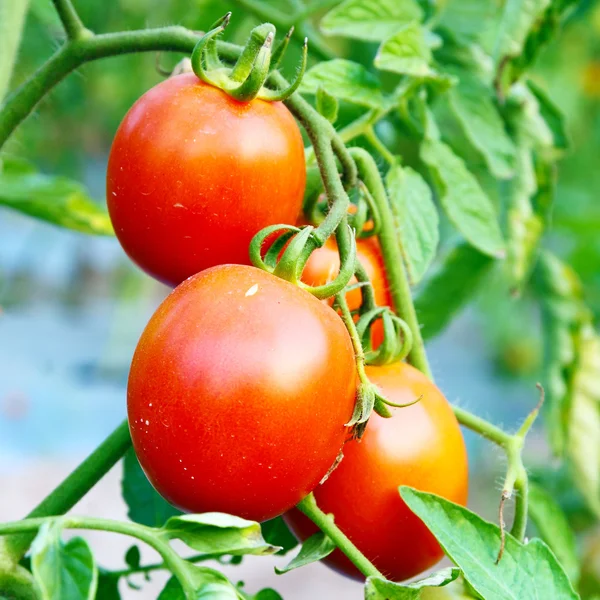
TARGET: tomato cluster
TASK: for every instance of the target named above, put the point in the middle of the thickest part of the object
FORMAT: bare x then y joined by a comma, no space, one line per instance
242,384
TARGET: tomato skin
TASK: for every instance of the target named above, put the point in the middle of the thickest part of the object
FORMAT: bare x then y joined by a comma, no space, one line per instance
193,175
324,265
238,393
420,446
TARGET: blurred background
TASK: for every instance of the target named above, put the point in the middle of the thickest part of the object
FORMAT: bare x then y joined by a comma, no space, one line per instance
72,307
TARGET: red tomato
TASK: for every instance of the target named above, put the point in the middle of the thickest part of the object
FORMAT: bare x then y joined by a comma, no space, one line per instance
324,265
193,175
238,393
420,446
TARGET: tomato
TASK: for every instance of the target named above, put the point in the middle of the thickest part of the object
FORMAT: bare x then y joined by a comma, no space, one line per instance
238,393
194,174
324,264
420,446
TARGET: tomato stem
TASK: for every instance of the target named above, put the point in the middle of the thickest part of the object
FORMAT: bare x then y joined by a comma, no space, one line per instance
70,20
326,524
392,257
77,52
77,484
151,536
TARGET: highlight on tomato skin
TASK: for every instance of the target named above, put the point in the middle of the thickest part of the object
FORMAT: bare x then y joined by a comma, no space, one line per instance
193,175
420,446
324,263
239,392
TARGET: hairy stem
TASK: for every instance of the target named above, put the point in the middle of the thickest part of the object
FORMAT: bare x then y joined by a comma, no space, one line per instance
325,523
381,148
521,505
392,257
145,534
75,486
12,20
74,28
482,427
75,53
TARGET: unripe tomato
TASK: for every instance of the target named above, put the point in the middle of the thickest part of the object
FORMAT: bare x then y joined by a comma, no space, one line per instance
324,265
420,446
193,175
238,394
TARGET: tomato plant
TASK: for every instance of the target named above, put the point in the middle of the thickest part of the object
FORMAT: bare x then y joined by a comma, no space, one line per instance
420,446
238,394
191,173
256,390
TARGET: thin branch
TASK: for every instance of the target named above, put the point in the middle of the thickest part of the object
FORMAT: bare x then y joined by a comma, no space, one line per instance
74,28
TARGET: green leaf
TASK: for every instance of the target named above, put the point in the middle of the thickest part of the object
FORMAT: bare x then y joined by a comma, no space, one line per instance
217,533
450,288
463,200
371,20
472,103
554,529
57,200
108,587
172,590
518,18
583,418
145,505
63,570
526,572
524,226
543,30
416,219
406,52
377,588
563,314
345,80
315,548
266,594
552,116
208,585
277,533
133,556
468,19
327,105
456,590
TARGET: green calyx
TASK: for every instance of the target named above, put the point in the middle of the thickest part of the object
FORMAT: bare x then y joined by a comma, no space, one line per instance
397,341
247,79
289,252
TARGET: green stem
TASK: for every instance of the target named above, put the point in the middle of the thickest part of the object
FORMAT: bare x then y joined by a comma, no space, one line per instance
361,125
77,52
76,485
482,427
392,257
145,534
521,490
324,140
160,566
74,28
12,20
325,523
374,140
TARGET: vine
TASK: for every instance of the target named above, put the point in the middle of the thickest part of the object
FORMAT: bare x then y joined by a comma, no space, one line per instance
82,46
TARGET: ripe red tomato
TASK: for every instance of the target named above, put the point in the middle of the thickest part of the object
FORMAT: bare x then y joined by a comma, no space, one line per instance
324,265
238,393
193,175
421,446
